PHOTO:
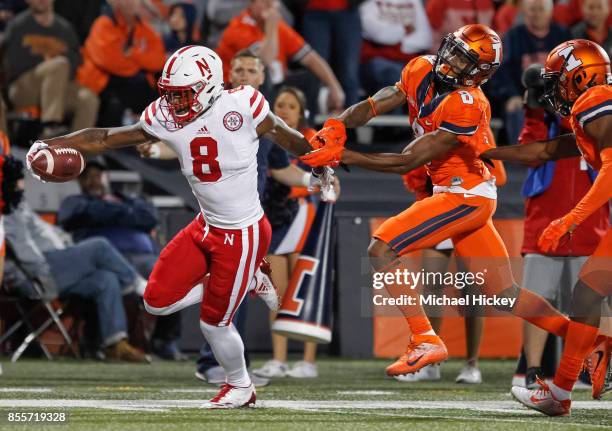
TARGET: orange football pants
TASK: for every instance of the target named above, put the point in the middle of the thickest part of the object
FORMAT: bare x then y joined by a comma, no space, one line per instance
466,220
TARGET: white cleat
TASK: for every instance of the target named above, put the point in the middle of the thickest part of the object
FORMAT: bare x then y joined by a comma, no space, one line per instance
542,400
264,288
272,368
427,373
303,370
470,375
232,397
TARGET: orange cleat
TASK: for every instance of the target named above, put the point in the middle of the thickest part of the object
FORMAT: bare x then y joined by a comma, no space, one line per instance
597,366
423,350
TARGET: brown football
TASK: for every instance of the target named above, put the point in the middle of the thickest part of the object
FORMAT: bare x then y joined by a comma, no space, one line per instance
58,164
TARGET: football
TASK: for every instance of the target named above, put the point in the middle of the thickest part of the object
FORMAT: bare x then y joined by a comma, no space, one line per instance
58,164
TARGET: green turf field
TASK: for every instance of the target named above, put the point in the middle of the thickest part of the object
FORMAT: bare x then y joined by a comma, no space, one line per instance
348,395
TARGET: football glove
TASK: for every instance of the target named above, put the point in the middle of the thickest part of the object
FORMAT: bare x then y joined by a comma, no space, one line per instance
549,239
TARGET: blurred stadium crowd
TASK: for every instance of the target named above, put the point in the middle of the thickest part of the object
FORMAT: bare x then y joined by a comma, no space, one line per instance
69,65
94,62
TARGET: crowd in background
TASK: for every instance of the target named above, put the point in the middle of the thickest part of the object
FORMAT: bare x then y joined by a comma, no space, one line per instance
71,65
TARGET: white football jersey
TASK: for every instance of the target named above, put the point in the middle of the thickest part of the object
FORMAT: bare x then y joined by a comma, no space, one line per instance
218,154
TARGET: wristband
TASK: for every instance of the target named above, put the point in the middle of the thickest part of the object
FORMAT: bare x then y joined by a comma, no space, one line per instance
306,179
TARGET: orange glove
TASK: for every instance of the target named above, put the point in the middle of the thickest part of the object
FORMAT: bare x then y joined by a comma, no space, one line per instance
328,144
549,239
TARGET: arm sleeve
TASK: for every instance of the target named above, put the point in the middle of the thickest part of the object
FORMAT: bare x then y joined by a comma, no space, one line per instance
600,192
258,106
105,48
460,114
148,121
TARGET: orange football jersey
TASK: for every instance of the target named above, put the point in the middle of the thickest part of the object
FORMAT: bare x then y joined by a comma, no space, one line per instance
592,104
465,112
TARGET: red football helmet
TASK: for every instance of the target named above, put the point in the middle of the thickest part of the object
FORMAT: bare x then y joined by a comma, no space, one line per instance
469,56
571,68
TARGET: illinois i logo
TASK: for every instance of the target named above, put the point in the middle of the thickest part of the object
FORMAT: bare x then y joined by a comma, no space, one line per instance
232,121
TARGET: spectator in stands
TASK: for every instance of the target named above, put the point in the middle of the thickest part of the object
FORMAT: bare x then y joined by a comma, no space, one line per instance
333,29
92,269
446,16
121,56
569,12
290,211
505,16
261,28
594,26
394,32
524,44
40,53
126,222
218,14
551,190
181,21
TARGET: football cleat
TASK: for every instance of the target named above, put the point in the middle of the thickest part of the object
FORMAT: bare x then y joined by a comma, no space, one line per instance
597,366
232,397
428,373
263,286
423,350
542,400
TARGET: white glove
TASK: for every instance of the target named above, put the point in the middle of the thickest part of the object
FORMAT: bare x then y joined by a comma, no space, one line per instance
35,148
325,180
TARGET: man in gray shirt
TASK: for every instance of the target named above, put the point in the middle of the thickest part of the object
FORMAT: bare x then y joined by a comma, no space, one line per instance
92,269
40,54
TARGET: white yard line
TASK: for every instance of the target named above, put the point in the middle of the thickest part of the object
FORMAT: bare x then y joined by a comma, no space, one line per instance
190,391
33,390
481,406
367,392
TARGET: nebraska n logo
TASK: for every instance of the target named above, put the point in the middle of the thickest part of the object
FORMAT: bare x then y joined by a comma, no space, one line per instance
229,239
204,67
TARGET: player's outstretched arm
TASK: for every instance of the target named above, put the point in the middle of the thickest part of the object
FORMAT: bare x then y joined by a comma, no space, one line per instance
95,141
385,100
601,191
536,152
419,152
277,130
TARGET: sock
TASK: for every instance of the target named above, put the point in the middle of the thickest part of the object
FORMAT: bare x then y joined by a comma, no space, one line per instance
228,349
578,344
538,311
560,393
419,325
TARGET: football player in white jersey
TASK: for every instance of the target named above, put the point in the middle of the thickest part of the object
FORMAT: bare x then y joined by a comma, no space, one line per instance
215,134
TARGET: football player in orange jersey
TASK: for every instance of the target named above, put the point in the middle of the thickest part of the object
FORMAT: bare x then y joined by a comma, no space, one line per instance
578,84
450,116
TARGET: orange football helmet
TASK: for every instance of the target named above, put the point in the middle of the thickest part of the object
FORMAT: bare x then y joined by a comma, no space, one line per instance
469,56
571,68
